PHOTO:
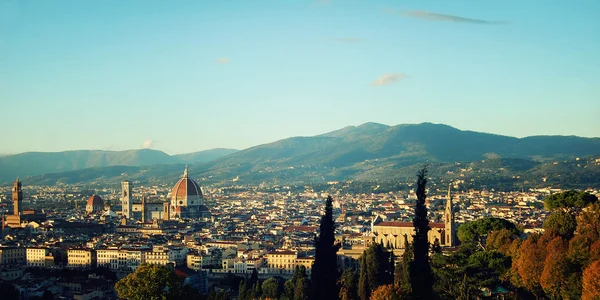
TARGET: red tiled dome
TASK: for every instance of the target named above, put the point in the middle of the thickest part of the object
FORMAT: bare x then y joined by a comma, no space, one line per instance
186,187
95,200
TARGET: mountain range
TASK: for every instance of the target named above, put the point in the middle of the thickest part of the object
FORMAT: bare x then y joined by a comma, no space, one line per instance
37,163
370,151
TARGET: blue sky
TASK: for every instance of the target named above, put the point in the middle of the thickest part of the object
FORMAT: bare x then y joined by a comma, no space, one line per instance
183,76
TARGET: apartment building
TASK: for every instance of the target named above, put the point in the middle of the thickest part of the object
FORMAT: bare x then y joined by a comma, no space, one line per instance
81,258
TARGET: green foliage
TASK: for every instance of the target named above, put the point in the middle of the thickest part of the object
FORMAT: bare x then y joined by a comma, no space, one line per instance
560,223
377,264
271,288
297,287
220,295
500,240
473,231
421,277
364,293
152,282
324,271
569,199
349,285
301,291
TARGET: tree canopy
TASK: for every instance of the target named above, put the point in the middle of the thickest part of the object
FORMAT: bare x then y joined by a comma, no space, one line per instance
152,282
560,223
569,199
472,231
591,282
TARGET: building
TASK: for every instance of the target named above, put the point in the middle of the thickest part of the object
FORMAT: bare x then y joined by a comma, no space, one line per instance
396,234
159,255
187,202
81,258
21,217
37,257
14,220
120,259
12,256
94,204
126,204
282,262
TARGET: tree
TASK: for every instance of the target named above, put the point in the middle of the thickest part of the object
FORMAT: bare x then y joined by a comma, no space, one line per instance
324,271
473,231
378,268
151,282
301,290
388,292
588,222
364,293
402,270
421,277
500,240
591,282
270,288
555,275
348,285
243,291
297,286
529,264
560,223
220,295
569,199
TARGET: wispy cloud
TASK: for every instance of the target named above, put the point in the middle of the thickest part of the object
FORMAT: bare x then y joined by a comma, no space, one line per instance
431,16
386,79
347,39
147,144
222,60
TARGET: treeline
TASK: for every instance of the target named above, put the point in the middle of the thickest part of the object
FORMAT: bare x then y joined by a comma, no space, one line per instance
496,257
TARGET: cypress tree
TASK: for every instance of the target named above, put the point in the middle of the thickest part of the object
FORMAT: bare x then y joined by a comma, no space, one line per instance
324,272
363,279
421,276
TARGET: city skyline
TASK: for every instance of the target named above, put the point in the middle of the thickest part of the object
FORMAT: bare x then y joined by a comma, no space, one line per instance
192,76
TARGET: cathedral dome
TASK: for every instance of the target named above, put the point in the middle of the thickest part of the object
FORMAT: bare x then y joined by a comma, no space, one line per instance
94,204
95,200
186,191
186,187
187,200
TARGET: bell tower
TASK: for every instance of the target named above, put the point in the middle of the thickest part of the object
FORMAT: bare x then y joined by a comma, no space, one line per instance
126,199
17,197
449,221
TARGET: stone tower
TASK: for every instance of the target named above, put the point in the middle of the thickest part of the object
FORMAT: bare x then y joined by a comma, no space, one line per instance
17,197
126,199
449,221
143,209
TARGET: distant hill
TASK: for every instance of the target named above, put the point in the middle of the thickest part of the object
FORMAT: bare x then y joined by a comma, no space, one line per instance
370,152
34,163
373,145
204,156
37,163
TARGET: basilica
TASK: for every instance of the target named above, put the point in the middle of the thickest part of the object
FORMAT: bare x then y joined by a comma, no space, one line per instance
186,202
396,234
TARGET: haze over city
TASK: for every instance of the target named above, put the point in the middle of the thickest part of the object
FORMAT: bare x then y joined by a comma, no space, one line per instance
192,75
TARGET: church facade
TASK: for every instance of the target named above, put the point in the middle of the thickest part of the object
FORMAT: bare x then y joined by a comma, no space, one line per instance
396,234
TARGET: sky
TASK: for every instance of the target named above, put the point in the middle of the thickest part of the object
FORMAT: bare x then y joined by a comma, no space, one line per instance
183,76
